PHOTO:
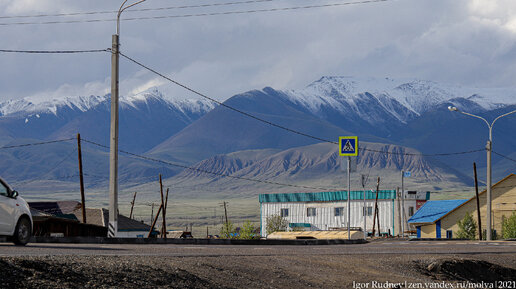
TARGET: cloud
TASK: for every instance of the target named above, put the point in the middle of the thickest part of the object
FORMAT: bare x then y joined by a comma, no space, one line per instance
468,42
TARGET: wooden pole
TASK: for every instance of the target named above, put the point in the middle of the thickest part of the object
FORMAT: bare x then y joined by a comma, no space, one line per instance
132,206
154,222
81,178
478,203
226,213
164,215
375,216
377,208
166,200
399,210
152,214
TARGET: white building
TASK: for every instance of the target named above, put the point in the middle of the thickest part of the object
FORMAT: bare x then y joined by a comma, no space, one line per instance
328,210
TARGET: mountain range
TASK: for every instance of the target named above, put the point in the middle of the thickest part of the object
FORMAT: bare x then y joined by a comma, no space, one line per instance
391,117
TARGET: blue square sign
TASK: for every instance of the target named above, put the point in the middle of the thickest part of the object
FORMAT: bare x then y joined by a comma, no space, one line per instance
348,145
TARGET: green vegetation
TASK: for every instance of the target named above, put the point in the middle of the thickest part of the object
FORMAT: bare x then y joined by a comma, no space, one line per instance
248,231
276,223
509,227
227,231
467,228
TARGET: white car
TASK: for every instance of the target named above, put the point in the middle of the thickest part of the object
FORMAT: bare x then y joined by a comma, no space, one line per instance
15,217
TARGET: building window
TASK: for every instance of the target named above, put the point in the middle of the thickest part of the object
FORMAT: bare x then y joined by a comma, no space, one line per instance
369,211
310,212
284,213
411,211
339,211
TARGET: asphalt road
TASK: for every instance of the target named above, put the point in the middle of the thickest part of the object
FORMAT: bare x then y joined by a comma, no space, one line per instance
419,263
376,248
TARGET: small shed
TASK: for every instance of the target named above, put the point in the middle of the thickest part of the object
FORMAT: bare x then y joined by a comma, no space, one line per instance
65,225
427,219
64,218
435,220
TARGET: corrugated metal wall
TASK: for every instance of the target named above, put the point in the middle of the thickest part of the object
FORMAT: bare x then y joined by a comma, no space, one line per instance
325,217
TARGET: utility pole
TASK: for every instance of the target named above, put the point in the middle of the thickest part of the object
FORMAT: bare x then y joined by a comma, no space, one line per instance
226,213
113,146
378,209
399,209
164,214
113,139
132,206
375,216
402,204
154,222
478,203
152,214
364,181
81,178
489,148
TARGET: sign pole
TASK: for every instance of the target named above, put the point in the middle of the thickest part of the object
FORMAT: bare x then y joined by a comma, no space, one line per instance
348,147
349,198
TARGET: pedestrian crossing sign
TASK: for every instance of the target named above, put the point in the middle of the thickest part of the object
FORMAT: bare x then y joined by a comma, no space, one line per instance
348,145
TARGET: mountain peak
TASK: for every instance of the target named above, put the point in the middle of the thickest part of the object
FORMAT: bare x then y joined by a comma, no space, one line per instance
27,106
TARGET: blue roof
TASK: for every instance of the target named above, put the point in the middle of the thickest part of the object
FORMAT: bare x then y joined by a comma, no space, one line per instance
326,196
432,211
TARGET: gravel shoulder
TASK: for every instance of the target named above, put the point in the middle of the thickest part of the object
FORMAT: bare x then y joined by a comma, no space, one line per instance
289,271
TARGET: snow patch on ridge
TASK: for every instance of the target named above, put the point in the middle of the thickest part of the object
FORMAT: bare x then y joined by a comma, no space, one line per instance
416,96
31,106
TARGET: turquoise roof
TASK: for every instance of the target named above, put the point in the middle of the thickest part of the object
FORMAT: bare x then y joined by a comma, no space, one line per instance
326,196
299,225
433,211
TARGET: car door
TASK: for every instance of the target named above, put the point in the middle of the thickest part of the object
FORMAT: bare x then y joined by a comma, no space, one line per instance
6,211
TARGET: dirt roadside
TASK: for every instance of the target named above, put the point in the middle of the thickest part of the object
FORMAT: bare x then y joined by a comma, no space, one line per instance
328,271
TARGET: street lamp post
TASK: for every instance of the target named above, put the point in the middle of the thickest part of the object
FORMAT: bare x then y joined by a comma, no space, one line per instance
113,145
489,148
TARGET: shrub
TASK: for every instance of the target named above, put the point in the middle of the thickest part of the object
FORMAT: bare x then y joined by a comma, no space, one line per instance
227,231
467,228
276,223
248,231
509,227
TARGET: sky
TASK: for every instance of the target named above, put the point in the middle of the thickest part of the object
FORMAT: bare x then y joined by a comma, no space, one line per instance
464,42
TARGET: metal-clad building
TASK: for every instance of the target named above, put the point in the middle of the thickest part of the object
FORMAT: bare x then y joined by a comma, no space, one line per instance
328,210
439,219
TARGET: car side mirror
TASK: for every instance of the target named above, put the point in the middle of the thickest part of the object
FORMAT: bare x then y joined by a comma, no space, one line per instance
14,194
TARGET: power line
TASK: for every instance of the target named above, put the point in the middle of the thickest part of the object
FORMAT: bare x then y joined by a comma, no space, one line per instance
197,15
223,104
472,190
135,10
35,144
53,169
205,171
421,154
54,51
274,124
503,156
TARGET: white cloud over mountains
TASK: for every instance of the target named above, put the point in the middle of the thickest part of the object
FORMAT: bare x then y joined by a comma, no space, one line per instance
467,42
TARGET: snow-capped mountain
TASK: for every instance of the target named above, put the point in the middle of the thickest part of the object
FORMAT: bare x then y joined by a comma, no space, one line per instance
400,99
408,113
146,119
30,106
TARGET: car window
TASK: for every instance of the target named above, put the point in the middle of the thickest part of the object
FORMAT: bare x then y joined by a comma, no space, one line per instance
3,190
